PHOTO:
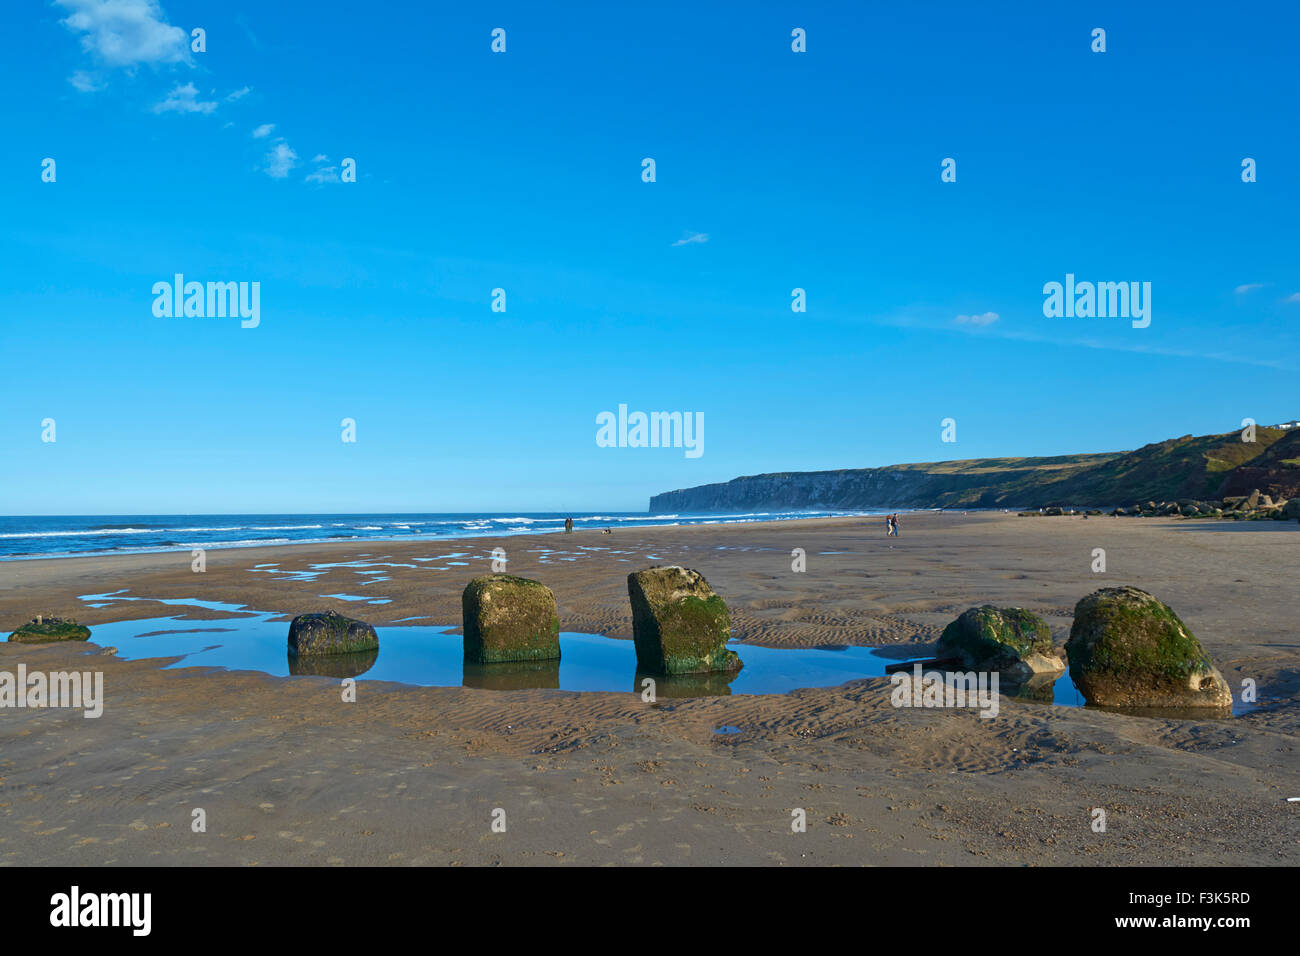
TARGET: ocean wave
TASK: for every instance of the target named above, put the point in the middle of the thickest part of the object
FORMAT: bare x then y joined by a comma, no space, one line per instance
245,543
625,518
77,534
146,537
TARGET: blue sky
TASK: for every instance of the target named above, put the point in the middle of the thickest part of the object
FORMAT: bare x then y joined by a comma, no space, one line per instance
522,171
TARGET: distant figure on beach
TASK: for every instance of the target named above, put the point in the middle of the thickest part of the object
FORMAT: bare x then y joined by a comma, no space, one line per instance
568,525
607,531
895,524
892,523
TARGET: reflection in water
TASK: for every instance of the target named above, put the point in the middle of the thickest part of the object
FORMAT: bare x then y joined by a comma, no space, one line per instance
512,675
433,657
1060,689
687,685
1040,687
332,665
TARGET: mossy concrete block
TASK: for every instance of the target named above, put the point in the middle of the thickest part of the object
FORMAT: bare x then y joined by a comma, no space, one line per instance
1128,649
507,618
1015,642
330,633
679,625
46,630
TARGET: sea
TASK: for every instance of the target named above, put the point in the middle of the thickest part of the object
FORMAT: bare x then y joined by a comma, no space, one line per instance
53,536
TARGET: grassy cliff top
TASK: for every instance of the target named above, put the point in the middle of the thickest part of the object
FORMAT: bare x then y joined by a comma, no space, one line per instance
1196,467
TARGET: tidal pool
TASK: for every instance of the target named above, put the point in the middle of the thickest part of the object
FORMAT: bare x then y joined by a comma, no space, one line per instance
433,657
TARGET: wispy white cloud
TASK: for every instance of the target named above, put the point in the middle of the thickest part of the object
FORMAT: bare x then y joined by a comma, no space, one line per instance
987,318
1248,287
280,160
692,238
323,174
1293,297
926,318
129,33
85,82
185,99
126,32
252,37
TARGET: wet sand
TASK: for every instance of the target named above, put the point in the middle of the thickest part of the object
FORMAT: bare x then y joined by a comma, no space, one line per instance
288,773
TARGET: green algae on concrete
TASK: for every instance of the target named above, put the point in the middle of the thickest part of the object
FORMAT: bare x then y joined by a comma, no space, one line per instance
1010,640
1128,649
330,633
679,625
46,630
509,619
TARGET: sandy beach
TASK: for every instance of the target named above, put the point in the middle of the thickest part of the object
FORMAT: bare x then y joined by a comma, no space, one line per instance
288,773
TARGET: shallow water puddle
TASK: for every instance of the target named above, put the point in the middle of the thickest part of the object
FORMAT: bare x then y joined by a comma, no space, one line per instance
360,567
283,575
113,596
431,656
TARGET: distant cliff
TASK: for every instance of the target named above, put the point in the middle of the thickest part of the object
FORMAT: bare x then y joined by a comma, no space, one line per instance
1189,467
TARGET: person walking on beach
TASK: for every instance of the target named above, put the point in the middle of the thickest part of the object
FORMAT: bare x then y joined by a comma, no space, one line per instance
895,524
889,526
568,525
